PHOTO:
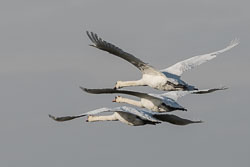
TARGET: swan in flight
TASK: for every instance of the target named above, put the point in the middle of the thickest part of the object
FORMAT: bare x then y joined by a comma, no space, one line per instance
129,116
168,79
165,102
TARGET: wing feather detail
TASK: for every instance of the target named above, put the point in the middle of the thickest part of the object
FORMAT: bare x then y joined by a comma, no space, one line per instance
177,94
67,118
173,119
108,47
111,91
185,65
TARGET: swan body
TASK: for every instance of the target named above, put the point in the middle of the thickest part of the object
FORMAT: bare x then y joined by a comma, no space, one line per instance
165,102
126,118
128,115
168,79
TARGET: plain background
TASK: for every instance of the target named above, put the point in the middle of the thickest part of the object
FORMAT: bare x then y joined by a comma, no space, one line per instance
45,57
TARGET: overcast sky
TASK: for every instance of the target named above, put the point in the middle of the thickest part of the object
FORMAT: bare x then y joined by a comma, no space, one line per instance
45,57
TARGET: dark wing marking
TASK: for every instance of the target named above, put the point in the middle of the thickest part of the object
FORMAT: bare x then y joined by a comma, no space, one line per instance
65,118
173,119
106,46
172,108
208,90
108,90
93,112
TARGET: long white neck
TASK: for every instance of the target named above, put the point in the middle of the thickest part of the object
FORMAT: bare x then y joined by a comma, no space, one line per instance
92,118
129,101
121,84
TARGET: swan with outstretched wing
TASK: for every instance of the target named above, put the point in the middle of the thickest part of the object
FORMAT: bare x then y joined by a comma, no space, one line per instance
168,79
165,102
129,116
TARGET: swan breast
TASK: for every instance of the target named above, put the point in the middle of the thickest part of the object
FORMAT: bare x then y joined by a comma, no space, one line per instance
154,80
152,104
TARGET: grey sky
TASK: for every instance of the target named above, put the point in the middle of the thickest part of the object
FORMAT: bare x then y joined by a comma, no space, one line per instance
45,57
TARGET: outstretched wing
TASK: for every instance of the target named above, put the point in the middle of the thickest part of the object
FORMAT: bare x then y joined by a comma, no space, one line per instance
173,119
67,118
204,91
177,94
142,113
166,100
106,46
108,90
182,66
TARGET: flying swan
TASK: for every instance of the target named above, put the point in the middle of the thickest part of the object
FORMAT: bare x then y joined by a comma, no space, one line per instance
129,116
168,79
165,102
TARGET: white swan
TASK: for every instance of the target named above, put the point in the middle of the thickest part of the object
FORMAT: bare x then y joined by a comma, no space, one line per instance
165,102
167,79
128,115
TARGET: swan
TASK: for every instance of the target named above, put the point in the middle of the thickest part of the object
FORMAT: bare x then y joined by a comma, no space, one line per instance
168,79
165,102
128,115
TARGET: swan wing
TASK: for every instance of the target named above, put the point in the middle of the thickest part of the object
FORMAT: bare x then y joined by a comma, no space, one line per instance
142,113
106,46
173,119
177,94
204,91
182,66
67,118
111,91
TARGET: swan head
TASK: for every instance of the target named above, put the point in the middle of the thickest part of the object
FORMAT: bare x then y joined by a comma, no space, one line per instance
118,85
118,99
90,118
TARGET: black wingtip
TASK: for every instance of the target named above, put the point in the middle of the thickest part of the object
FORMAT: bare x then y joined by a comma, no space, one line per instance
65,118
92,45
224,88
90,35
183,109
200,121
52,117
84,89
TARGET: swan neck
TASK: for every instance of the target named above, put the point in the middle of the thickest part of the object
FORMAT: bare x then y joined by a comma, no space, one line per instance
102,118
130,101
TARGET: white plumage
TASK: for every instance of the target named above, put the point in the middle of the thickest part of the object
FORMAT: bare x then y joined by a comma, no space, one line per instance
167,79
165,102
185,65
153,106
129,116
